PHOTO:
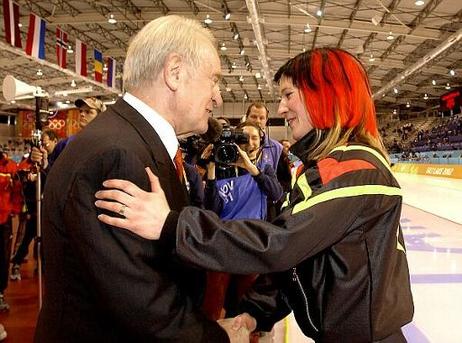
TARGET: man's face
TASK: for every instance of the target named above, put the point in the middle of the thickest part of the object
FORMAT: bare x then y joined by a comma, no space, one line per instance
87,114
48,143
257,115
199,94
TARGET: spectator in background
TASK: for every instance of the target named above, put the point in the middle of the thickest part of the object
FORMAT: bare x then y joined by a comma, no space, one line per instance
8,174
258,113
89,108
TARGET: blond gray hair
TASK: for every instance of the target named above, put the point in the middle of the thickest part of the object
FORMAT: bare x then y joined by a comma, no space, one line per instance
159,38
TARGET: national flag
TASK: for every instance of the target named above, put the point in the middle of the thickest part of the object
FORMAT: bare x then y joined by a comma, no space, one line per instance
35,45
11,23
98,65
61,47
111,71
80,58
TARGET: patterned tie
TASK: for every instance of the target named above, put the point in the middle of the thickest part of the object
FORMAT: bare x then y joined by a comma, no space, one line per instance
178,160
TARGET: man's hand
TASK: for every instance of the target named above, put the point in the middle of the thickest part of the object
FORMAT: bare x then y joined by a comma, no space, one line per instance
245,320
238,328
143,213
40,156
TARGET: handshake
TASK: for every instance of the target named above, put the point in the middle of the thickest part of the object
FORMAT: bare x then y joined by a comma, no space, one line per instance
239,329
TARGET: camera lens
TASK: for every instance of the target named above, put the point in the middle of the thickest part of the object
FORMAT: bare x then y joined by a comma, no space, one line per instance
226,153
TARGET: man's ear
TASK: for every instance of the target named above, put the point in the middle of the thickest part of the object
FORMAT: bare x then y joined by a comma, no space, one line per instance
173,67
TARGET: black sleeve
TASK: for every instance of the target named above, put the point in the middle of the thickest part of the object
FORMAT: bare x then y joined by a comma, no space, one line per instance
265,302
283,172
212,200
268,183
253,246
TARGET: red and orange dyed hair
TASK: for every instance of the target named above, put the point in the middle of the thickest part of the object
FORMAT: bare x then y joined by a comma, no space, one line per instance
335,88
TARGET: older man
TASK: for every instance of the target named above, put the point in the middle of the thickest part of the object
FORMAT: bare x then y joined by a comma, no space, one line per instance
109,285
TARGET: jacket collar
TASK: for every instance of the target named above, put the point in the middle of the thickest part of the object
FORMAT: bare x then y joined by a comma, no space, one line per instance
304,146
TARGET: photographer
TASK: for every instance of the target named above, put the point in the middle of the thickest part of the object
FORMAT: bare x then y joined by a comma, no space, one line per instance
243,196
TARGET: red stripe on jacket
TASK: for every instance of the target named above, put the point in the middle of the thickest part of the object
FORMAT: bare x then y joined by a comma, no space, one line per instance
330,168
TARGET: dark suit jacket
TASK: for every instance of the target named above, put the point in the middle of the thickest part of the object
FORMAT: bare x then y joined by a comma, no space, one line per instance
104,284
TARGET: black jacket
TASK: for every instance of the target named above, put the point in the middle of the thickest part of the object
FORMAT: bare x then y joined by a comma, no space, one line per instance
340,230
104,284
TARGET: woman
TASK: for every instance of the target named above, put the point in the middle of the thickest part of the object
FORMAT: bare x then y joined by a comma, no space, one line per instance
337,247
241,197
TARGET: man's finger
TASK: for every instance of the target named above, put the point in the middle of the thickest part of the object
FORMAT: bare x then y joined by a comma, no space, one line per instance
153,180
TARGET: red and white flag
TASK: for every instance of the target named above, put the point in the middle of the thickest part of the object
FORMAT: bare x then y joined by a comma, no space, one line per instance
11,21
80,58
35,44
61,47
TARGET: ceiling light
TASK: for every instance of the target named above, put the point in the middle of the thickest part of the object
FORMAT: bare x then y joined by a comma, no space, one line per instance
236,36
303,50
376,19
111,19
245,96
69,49
390,36
227,15
39,72
408,104
208,20
68,101
19,25
319,13
223,47
452,72
425,96
259,87
394,111
419,2
73,84
242,52
234,66
447,86
307,28
257,75
372,58
433,82
228,89
12,101
395,90
241,78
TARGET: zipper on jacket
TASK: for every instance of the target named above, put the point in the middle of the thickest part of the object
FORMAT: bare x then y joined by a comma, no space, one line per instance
296,279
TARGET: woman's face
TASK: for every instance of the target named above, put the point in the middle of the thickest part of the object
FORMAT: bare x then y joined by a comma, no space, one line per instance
292,108
252,147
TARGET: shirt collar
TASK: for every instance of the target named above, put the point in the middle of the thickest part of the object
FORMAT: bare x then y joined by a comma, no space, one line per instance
159,124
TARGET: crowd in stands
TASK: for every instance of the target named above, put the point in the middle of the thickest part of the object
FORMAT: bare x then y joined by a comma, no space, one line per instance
432,138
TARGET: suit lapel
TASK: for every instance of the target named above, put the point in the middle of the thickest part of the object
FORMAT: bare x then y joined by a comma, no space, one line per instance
175,192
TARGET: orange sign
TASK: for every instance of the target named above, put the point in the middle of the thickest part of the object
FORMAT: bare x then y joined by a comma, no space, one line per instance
440,170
